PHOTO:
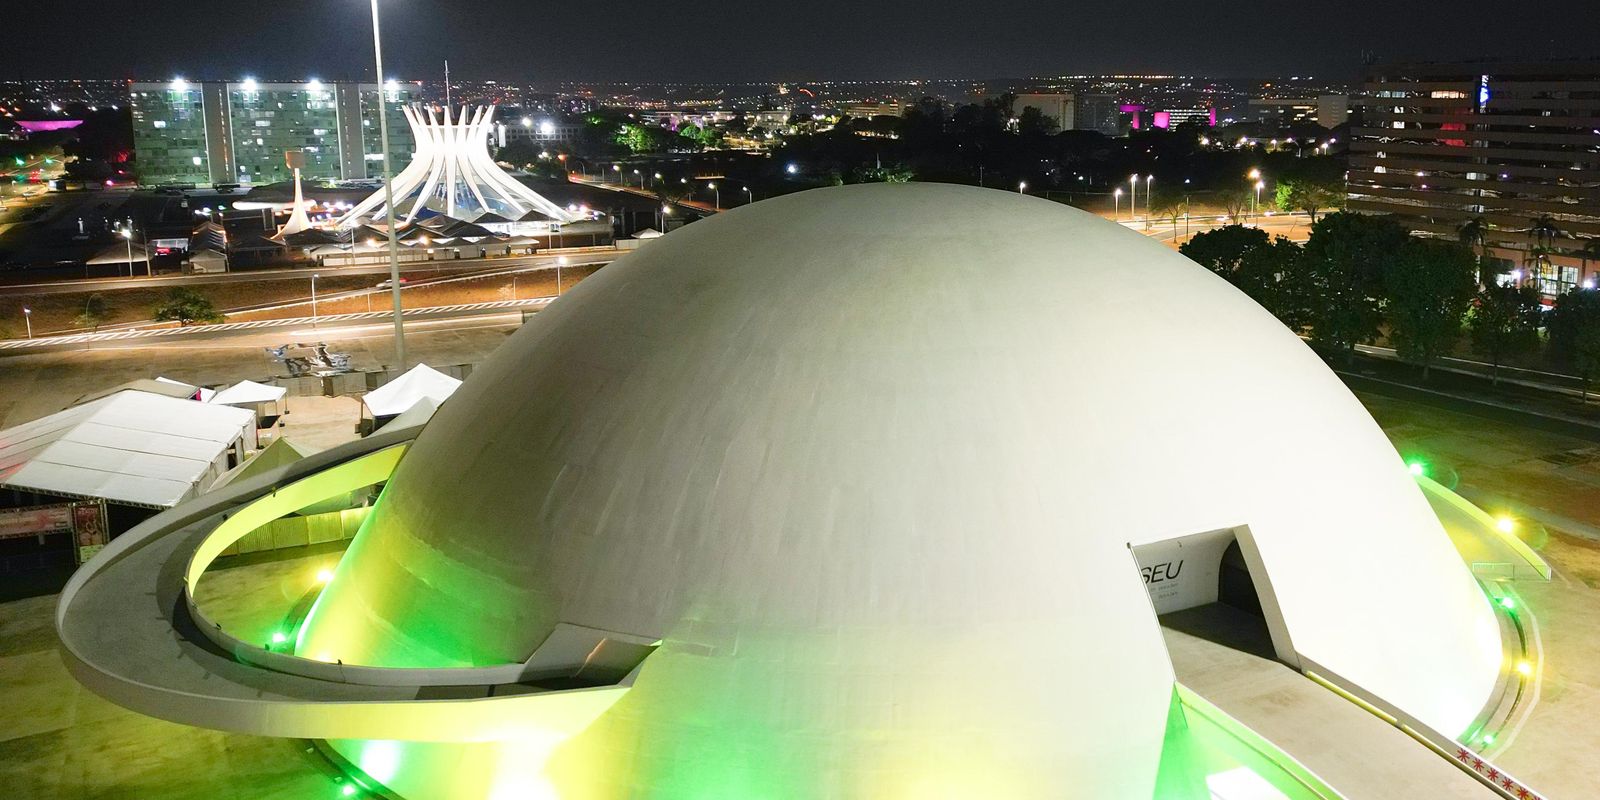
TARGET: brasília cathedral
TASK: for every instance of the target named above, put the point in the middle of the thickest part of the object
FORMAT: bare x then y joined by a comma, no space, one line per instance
453,174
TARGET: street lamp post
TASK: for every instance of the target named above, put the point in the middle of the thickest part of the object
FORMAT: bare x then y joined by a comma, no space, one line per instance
1255,178
716,193
1022,187
749,196
313,299
27,318
561,261
128,236
641,180
388,196
617,168
666,211
1116,204
1133,198
1148,179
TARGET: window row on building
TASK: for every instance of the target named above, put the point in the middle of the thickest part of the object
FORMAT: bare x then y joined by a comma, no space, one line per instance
1505,156
217,132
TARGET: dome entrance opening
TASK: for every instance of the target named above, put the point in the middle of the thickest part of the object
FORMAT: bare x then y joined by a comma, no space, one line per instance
1213,586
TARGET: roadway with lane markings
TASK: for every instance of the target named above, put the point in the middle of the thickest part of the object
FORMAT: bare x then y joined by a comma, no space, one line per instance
330,323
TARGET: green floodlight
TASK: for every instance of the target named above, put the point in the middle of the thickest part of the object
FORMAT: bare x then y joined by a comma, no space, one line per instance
1488,738
1508,603
278,637
349,790
1417,468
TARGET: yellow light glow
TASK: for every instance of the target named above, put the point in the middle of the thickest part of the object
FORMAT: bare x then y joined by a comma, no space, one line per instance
324,575
1505,524
1524,668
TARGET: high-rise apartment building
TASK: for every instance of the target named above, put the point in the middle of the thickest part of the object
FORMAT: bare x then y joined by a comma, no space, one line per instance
1504,155
217,132
1074,111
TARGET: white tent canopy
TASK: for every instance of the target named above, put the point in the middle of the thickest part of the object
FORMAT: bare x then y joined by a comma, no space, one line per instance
119,254
400,394
248,393
132,447
418,414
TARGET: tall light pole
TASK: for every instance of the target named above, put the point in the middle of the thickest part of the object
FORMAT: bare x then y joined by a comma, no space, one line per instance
617,168
388,195
656,180
1255,178
1148,179
560,262
1022,187
1116,204
128,236
641,180
1133,198
313,299
27,318
749,196
716,193
1259,186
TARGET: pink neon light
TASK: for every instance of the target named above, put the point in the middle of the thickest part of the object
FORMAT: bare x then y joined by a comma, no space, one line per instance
42,125
1161,119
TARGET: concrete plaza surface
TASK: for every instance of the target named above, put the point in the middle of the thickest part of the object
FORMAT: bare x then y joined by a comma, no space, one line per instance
59,741
32,386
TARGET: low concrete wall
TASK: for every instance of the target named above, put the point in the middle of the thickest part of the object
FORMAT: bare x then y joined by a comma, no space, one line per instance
301,531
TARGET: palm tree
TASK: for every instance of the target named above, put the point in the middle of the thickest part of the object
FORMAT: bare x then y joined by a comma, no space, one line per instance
1474,234
1589,251
1542,233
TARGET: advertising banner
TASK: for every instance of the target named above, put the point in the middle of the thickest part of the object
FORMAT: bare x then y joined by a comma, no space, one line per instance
89,529
16,523
85,522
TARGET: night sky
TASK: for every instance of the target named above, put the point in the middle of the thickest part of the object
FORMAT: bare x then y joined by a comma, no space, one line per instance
764,40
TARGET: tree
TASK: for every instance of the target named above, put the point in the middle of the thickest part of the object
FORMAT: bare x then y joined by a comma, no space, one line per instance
186,306
1474,233
646,138
1504,322
1221,250
1033,122
1429,288
1172,206
1308,195
1236,202
95,312
1342,275
1258,265
1575,333
1589,252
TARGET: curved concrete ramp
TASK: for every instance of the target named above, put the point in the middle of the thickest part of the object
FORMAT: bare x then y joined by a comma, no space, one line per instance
127,633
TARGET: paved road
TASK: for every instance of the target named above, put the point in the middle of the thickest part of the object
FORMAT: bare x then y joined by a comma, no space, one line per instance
297,273
330,326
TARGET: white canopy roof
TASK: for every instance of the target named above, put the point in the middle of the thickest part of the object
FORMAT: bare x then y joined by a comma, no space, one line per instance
400,394
246,393
131,447
119,254
418,414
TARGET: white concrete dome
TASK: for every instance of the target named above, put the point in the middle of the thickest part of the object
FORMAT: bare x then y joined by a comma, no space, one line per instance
869,460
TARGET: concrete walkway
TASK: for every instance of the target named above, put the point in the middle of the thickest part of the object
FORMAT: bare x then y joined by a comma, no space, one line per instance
1361,756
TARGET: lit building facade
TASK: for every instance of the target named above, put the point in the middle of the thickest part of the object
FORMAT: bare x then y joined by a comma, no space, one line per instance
217,132
1510,147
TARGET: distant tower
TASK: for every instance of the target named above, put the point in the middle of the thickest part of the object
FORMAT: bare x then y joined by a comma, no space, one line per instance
452,174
